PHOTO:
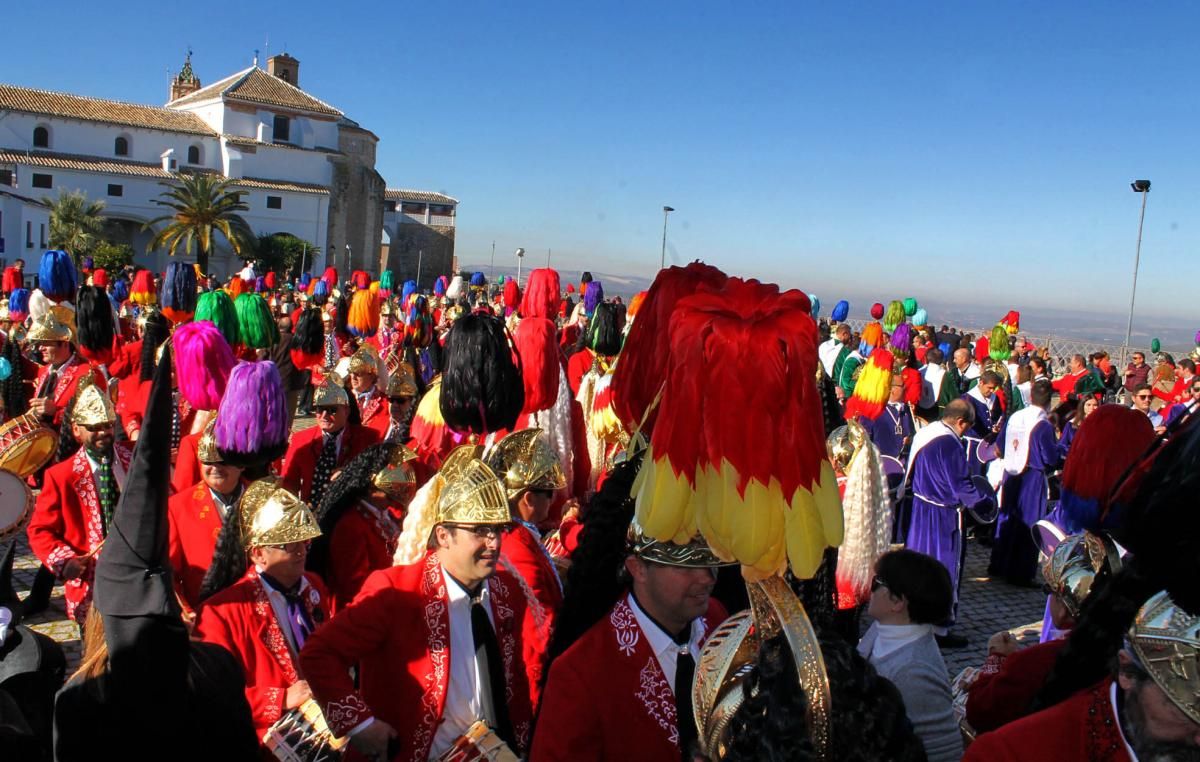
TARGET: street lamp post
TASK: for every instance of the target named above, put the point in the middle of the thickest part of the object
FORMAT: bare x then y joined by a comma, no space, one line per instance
662,261
420,256
520,256
492,274
1142,187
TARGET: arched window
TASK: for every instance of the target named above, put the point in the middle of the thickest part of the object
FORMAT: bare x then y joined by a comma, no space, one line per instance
41,137
121,146
193,155
283,129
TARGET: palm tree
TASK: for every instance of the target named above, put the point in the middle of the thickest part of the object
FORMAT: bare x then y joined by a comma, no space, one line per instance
200,205
75,222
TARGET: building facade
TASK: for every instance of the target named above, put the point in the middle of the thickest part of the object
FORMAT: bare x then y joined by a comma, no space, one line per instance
305,167
419,227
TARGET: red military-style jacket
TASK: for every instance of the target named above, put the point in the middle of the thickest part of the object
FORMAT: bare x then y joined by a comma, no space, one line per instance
194,524
69,374
375,413
66,523
398,631
1084,728
133,409
241,619
187,464
522,555
300,463
363,541
607,697
1006,685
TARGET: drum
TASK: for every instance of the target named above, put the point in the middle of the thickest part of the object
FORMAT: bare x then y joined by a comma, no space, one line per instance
1047,535
16,503
26,445
479,743
301,735
989,510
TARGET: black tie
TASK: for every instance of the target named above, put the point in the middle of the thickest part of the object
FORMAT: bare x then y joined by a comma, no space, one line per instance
326,462
51,382
685,669
489,666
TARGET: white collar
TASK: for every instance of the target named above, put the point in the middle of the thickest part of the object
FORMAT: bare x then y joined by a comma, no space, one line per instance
457,594
659,640
1112,701
890,638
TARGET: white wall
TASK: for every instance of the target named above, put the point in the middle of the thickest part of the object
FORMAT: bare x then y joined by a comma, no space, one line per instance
99,140
14,213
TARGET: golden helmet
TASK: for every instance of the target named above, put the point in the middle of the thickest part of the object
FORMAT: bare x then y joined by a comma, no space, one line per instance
4,316
402,382
844,442
525,460
206,448
273,516
90,406
397,479
1073,565
365,361
330,392
472,493
1166,640
731,651
49,328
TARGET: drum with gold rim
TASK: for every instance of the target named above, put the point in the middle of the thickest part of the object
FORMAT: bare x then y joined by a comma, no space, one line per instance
26,445
302,735
479,743
16,503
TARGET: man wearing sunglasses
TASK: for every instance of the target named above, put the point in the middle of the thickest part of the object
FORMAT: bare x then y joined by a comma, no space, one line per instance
265,618
1143,396
532,475
438,641
75,508
62,369
316,453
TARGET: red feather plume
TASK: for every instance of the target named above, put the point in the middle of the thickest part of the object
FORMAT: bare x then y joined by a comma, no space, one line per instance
542,294
643,366
537,345
1110,440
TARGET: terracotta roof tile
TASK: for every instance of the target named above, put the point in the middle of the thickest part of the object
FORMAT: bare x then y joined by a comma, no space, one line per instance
432,197
256,86
98,110
52,160
243,141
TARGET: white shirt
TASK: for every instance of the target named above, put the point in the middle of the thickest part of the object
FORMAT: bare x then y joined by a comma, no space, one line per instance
219,501
280,607
665,649
1112,700
465,699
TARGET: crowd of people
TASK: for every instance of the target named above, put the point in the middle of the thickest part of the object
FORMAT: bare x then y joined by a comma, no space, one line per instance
530,521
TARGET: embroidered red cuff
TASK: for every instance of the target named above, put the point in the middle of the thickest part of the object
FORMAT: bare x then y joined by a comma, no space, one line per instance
58,559
346,713
992,664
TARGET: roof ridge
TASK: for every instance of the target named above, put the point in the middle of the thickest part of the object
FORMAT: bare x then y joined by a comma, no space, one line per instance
60,94
218,88
302,92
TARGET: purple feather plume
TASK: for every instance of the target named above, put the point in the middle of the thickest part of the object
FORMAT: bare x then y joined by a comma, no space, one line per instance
901,340
593,296
251,421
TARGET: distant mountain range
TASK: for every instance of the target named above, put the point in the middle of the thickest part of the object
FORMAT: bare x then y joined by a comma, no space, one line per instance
1097,327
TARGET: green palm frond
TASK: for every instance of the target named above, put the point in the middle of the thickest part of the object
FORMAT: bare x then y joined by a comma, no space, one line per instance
201,203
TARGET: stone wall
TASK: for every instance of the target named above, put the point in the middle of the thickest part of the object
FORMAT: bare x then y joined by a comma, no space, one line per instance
435,243
355,204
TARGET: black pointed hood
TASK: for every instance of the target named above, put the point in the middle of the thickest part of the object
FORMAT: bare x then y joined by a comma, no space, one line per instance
133,574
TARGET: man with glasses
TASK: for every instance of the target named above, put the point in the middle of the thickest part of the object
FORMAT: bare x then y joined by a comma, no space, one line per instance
401,394
75,507
438,641
316,453
372,403
532,476
59,375
265,618
1143,395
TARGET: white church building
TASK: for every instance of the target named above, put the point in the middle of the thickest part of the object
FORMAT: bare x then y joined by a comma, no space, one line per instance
305,167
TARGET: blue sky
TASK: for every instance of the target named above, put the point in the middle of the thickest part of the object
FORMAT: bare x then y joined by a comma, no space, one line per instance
968,151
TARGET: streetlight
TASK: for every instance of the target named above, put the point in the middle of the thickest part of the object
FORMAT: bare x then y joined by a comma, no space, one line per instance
1142,187
662,261
520,255
420,255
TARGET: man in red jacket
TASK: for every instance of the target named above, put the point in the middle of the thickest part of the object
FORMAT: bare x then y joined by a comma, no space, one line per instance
62,368
74,510
316,453
532,474
265,618
372,403
438,642
1149,710
196,516
623,690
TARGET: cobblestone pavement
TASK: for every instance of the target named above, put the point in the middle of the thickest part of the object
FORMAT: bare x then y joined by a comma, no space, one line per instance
987,606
